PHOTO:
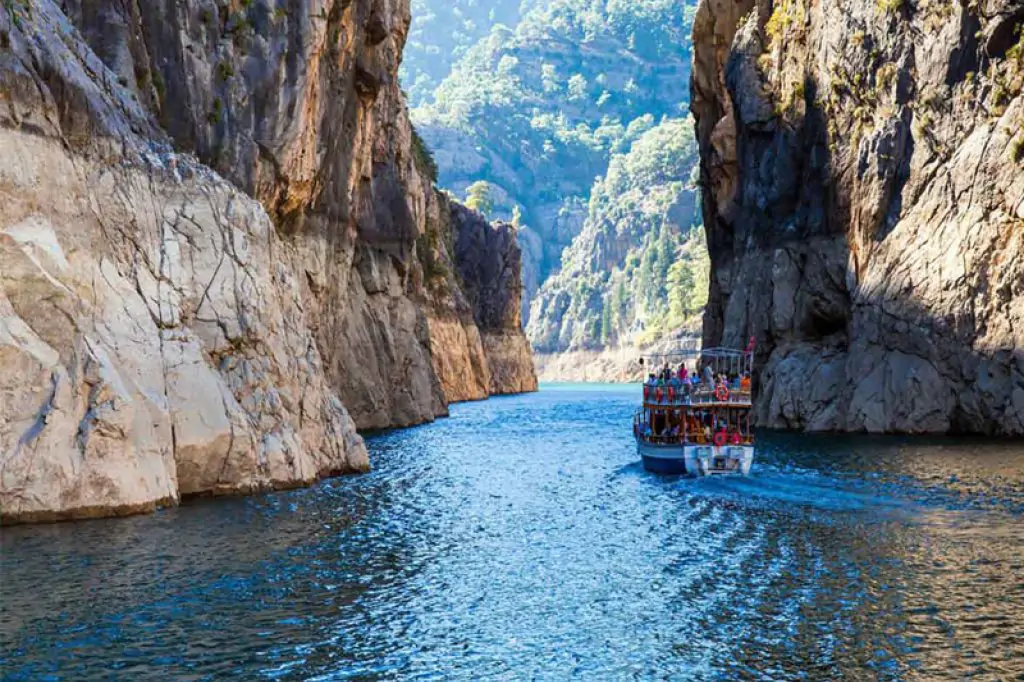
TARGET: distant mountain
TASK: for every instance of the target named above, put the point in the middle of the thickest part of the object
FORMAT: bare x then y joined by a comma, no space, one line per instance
638,270
442,32
537,104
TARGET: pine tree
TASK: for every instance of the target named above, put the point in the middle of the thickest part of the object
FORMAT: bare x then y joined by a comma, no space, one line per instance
618,305
681,292
478,197
606,325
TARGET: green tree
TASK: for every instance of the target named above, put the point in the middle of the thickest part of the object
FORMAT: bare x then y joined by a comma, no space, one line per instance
618,304
422,157
478,197
549,78
681,296
606,324
577,87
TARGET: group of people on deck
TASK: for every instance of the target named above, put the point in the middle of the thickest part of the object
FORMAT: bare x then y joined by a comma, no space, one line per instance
683,383
700,428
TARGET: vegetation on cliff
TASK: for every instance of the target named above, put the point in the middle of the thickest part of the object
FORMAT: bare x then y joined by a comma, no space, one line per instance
639,267
441,34
538,105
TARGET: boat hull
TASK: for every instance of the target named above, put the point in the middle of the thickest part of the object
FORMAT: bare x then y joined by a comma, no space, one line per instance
697,460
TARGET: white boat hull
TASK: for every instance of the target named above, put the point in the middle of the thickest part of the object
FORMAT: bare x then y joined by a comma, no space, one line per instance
697,460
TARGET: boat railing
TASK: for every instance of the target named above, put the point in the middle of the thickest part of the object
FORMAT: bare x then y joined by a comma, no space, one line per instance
689,439
694,395
686,437
726,361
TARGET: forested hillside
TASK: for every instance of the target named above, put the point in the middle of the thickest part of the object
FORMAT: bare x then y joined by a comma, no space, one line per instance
550,113
638,269
442,32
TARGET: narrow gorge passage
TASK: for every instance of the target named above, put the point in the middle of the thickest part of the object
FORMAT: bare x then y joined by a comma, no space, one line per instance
279,280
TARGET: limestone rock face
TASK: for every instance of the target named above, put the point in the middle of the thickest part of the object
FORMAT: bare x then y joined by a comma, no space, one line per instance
489,264
459,361
864,207
299,106
476,308
167,329
151,326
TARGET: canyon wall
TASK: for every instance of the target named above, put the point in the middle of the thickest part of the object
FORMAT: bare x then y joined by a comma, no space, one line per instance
211,252
862,164
489,266
473,272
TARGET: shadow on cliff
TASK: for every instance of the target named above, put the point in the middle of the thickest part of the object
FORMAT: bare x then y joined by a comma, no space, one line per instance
845,340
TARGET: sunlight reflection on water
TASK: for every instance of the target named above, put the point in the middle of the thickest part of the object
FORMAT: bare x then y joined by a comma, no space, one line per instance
522,539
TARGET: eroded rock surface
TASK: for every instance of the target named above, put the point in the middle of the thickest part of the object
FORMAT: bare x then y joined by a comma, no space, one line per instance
489,266
863,169
474,272
169,330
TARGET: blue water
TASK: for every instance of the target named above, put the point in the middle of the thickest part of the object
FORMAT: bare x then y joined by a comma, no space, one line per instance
520,539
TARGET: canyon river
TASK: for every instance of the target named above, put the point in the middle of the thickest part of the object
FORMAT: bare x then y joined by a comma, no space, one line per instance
521,539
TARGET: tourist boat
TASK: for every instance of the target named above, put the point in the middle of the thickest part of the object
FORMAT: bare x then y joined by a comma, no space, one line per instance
690,425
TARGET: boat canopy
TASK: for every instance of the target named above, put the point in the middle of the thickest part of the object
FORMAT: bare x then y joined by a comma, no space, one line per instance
720,359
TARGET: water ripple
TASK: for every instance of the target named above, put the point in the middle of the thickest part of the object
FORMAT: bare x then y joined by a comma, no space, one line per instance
521,539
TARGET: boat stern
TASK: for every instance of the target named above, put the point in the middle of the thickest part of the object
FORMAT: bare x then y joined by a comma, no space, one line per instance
715,460
697,460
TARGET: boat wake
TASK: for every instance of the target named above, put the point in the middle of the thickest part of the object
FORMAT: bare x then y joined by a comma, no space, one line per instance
788,490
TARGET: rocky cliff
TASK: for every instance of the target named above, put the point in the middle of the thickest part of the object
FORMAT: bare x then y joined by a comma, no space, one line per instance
863,170
473,272
489,269
168,329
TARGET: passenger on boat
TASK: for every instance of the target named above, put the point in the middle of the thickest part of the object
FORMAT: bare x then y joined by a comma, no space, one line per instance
709,376
735,438
745,383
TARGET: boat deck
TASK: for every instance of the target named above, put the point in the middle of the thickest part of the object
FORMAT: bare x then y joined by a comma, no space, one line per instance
713,404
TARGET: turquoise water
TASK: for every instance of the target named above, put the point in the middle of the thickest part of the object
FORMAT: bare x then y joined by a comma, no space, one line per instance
521,539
